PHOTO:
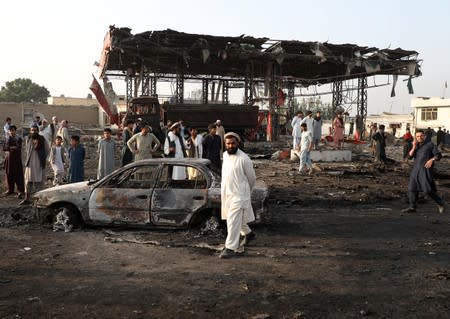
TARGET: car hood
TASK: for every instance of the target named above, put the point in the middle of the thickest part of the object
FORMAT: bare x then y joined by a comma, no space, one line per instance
75,193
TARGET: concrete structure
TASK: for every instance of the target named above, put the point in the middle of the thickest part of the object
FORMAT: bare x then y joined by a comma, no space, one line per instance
431,112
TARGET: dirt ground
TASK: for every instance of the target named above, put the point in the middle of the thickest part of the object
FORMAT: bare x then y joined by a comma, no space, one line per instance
334,246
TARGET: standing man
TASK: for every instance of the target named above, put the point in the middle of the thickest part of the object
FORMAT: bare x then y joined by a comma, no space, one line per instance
380,139
296,131
238,179
305,149
37,150
309,121
211,148
174,147
127,154
63,131
106,148
6,127
317,129
77,154
220,130
421,179
143,144
440,136
138,127
13,162
194,150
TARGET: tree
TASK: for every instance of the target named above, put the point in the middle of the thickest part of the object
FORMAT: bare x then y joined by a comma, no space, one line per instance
23,90
315,104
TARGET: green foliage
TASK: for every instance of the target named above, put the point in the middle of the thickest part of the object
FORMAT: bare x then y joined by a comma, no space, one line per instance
314,104
22,91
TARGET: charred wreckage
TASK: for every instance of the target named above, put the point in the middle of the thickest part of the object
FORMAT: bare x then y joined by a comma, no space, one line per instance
221,63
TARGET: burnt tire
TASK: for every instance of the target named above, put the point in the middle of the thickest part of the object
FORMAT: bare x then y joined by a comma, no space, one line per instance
48,216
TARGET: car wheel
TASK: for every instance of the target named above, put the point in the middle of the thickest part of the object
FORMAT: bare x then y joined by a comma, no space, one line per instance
62,214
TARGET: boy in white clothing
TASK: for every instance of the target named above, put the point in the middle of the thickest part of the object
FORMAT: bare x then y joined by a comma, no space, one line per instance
57,159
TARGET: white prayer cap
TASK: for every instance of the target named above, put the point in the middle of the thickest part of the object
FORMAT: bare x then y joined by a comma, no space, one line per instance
174,125
218,122
232,134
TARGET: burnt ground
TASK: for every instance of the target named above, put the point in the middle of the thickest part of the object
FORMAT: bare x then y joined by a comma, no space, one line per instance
333,247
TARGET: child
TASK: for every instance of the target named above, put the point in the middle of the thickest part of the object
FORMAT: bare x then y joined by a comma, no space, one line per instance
57,160
76,158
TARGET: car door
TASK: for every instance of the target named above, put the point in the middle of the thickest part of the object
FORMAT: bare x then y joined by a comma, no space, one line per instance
124,198
175,202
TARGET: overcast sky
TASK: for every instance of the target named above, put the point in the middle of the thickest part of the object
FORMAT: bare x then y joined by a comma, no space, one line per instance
55,43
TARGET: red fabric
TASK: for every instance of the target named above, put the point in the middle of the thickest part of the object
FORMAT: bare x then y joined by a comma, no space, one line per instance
407,136
101,98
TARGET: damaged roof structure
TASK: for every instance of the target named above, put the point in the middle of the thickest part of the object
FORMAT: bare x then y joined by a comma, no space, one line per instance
279,64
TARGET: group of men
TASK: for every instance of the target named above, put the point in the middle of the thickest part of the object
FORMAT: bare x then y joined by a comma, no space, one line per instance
45,143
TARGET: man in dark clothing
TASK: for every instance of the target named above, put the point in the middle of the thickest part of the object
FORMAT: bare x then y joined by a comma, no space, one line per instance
429,134
380,138
212,144
440,136
421,179
13,162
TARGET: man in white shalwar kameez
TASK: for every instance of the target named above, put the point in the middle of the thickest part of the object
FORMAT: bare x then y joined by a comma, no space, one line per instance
174,147
238,179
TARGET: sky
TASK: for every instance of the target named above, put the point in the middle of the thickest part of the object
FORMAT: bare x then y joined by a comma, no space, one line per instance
55,43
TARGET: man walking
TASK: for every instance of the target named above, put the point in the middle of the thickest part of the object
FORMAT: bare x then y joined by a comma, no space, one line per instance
238,179
421,179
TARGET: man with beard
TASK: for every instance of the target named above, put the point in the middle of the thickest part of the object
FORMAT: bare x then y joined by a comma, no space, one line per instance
13,162
238,179
35,160
212,144
421,179
174,147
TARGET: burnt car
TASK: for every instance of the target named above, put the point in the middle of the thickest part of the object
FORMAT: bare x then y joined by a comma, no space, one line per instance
144,194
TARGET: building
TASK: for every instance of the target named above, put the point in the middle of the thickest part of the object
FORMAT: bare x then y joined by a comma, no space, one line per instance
431,112
394,123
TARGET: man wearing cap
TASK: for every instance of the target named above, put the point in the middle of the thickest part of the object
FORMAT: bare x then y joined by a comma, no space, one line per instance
238,179
212,145
174,147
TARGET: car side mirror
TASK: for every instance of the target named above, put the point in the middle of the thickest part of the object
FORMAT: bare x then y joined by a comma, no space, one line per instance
91,181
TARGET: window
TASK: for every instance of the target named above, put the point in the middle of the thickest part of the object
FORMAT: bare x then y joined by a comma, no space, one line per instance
195,179
136,177
429,114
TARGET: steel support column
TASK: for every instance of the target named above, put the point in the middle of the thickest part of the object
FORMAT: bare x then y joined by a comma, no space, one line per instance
153,81
129,88
225,91
146,85
205,91
337,95
248,85
361,111
290,96
179,98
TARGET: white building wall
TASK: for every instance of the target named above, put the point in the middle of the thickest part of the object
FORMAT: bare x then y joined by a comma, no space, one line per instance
443,112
